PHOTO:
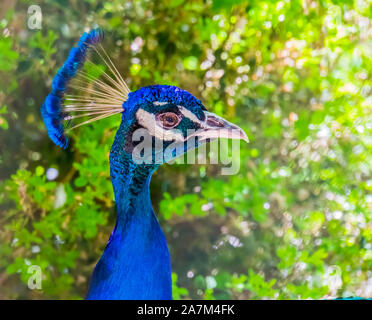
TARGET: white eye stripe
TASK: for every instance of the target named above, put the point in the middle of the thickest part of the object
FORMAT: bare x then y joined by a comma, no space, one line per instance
159,103
188,114
148,121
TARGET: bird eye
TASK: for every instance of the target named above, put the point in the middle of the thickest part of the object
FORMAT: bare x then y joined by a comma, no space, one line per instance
168,120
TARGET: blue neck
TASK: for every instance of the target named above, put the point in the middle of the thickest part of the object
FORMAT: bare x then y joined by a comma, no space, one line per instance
135,263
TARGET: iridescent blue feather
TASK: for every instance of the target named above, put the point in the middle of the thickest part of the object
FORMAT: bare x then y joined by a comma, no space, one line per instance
51,110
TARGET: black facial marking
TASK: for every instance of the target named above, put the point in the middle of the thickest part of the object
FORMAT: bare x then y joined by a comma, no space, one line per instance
129,143
201,115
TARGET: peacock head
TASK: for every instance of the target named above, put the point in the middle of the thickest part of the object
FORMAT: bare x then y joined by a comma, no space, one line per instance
159,122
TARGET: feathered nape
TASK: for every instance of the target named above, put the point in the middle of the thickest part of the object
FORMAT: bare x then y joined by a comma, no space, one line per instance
83,91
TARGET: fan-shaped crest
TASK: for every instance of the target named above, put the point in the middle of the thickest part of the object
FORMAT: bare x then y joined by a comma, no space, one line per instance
88,87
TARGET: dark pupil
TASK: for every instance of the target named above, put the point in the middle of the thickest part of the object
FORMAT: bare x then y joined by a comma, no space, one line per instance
168,119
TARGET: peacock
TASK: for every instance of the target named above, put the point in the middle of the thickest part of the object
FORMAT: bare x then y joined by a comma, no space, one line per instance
136,262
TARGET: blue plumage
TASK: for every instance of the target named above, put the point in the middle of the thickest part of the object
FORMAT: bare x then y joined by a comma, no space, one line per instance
147,95
136,262
52,104
51,109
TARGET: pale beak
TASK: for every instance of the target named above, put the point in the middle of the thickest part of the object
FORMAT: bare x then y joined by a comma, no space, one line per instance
214,127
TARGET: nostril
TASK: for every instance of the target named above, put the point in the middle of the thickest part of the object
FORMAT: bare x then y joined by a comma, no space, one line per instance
214,122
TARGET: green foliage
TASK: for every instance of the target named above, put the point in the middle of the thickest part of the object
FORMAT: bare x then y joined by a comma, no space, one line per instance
178,293
293,223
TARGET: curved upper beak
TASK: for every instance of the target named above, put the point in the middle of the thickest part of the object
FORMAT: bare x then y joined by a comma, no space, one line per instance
214,127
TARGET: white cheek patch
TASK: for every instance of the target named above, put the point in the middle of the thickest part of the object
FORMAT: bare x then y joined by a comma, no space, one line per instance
148,121
159,103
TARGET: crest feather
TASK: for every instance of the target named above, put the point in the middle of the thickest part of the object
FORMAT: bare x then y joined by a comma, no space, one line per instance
97,90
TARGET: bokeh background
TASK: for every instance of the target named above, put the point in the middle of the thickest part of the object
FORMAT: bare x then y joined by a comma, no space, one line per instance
294,223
